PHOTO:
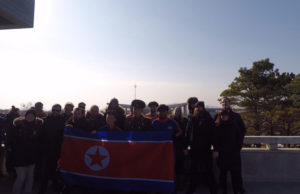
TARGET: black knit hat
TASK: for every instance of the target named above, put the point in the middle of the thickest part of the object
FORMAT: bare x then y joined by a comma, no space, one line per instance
153,103
114,101
138,104
162,107
31,111
192,100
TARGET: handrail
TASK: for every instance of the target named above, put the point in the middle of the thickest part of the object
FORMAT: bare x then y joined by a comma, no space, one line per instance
272,141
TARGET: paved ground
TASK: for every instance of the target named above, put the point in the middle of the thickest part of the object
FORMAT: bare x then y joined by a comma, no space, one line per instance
252,188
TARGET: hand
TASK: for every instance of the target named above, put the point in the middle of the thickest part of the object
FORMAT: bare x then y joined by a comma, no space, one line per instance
215,155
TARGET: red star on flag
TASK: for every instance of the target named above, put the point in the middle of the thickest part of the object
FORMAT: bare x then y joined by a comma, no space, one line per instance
97,158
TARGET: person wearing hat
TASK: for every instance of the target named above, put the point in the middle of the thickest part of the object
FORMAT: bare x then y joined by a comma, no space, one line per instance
163,122
138,122
191,105
113,105
23,141
82,106
10,117
239,124
39,110
199,133
153,111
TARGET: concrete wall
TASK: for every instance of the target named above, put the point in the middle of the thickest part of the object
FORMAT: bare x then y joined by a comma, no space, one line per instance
19,12
273,164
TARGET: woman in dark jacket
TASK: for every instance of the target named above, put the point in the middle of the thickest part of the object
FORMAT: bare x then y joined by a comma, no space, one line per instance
23,142
229,143
78,121
94,119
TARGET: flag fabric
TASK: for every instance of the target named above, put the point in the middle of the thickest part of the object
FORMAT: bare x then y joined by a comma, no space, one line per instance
128,161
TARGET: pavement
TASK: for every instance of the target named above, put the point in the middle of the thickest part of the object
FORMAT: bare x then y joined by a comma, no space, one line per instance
251,188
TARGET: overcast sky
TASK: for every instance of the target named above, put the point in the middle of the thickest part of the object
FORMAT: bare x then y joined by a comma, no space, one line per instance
95,50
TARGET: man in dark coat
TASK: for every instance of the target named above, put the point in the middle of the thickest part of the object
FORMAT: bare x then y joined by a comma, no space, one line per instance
228,146
237,120
51,141
138,122
199,133
95,119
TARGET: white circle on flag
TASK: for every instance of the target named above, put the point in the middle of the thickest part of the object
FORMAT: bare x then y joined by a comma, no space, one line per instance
96,158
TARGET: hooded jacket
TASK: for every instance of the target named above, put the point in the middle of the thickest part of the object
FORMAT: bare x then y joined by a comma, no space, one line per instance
23,141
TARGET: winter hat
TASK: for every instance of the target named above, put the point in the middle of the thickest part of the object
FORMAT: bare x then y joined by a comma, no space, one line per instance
31,111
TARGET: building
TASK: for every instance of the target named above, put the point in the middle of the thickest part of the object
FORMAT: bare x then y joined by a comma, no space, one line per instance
15,14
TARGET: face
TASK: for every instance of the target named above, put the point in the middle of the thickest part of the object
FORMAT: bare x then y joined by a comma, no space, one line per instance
78,114
224,117
192,107
82,106
153,109
30,117
137,111
94,111
56,111
178,112
113,105
225,104
68,109
163,114
110,120
39,107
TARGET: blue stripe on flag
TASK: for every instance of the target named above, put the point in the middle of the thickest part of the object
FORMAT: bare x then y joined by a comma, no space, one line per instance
121,135
118,184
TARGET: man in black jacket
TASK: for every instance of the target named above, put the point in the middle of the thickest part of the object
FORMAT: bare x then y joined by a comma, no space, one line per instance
228,146
199,132
138,122
51,140
237,121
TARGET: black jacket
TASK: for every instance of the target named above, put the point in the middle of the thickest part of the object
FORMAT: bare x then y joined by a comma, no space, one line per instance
52,135
94,123
138,124
228,137
79,124
200,133
23,141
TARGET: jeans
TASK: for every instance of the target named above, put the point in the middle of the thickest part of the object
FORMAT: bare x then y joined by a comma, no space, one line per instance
24,176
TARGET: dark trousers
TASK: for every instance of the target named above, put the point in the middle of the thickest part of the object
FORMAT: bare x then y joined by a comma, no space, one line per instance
202,165
48,172
231,162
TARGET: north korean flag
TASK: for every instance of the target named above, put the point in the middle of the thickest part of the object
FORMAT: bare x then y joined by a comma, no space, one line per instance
129,161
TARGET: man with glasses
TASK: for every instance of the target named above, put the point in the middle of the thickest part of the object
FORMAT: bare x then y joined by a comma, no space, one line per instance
51,140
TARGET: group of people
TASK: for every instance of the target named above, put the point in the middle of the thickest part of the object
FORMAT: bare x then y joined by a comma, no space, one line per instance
33,142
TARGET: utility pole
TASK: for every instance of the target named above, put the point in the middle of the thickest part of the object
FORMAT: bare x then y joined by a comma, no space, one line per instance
135,86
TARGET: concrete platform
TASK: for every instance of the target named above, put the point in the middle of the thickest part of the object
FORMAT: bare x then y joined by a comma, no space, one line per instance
251,188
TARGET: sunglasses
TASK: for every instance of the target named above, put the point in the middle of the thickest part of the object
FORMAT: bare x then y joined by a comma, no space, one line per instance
56,110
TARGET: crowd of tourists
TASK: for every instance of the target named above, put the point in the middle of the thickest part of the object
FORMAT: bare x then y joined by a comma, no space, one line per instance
31,144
